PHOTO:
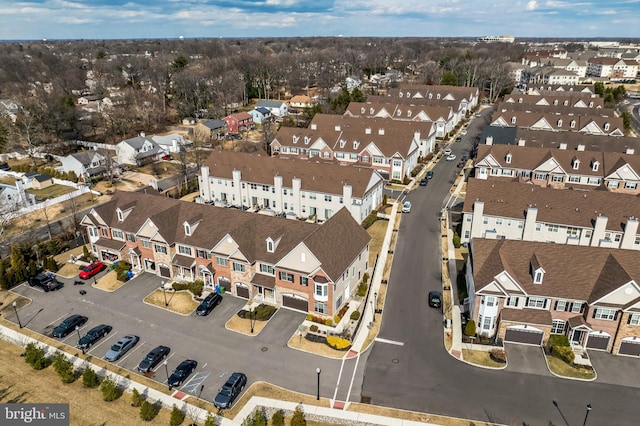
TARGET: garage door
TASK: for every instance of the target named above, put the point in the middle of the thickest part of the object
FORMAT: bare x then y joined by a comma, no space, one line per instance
630,347
598,342
164,271
295,303
529,336
242,291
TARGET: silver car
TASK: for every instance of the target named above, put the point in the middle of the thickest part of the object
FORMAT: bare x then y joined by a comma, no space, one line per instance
121,347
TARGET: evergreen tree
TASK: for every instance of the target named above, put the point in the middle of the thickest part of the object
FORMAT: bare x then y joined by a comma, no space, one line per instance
298,417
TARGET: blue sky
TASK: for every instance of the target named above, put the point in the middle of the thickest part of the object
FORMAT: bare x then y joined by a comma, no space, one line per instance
108,19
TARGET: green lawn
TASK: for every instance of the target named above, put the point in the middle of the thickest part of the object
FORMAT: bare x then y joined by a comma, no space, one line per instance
561,368
50,192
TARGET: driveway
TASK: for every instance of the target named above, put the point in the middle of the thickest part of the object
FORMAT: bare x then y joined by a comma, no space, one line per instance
615,369
527,359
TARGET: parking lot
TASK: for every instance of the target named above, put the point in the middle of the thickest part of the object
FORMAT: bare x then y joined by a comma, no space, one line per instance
218,351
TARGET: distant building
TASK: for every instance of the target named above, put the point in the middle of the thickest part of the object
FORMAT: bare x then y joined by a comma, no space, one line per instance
500,39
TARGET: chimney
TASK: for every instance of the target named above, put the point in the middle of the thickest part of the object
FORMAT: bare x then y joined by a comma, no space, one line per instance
489,140
381,131
521,142
563,146
337,128
142,134
367,131
630,151
580,147
314,126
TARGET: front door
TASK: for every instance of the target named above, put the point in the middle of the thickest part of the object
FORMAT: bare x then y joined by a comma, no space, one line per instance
577,337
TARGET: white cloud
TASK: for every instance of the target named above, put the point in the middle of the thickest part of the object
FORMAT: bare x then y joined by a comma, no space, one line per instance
532,5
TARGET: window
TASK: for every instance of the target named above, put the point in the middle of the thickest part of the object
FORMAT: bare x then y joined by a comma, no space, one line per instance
594,166
634,319
561,305
485,220
238,267
304,281
187,229
605,314
117,234
574,179
93,231
270,245
512,301
613,184
490,301
558,326
593,180
576,307
536,302
328,213
630,185
202,254
265,188
520,224
365,159
131,237
507,172
120,215
267,269
159,248
327,198
320,308
221,261
538,227
557,178
488,323
552,228
285,276
573,232
146,243
104,232
184,250
540,176
321,290
537,277
312,196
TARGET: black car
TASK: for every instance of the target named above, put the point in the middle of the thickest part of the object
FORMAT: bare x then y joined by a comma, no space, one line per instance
153,358
93,335
46,282
207,305
230,390
424,182
181,372
429,174
435,299
68,325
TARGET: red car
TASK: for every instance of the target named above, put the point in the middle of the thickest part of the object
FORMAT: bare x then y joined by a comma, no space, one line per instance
91,269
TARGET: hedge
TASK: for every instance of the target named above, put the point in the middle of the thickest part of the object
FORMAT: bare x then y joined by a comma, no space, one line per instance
370,219
194,287
338,343
565,353
558,340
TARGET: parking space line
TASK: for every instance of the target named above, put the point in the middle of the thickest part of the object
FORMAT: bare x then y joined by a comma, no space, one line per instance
195,381
104,339
161,363
138,345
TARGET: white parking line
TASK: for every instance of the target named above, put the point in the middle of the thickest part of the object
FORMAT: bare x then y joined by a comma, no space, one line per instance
103,340
161,364
391,342
136,347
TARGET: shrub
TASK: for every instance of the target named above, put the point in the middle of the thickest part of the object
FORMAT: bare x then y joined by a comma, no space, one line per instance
110,390
406,179
85,252
338,343
148,411
416,170
277,419
122,268
370,219
428,157
90,379
470,328
309,317
194,287
177,416
298,417
35,357
264,312
365,278
384,200
565,353
136,398
313,328
64,368
498,354
336,318
258,418
211,421
558,340
328,322
355,315
362,288
456,240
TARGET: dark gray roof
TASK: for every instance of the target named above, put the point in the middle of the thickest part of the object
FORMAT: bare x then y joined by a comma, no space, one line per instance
214,124
269,103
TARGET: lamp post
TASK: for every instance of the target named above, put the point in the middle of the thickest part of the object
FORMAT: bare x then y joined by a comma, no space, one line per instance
586,414
318,371
78,331
252,317
375,305
164,292
373,311
15,309
166,370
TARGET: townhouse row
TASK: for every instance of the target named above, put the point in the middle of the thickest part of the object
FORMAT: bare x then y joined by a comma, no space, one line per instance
303,266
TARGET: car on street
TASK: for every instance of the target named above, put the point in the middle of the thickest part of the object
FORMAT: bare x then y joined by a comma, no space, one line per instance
207,305
93,335
447,151
463,133
68,325
166,157
478,115
181,372
463,158
45,281
461,163
451,157
91,269
406,207
429,174
458,139
121,347
435,299
152,359
424,182
230,391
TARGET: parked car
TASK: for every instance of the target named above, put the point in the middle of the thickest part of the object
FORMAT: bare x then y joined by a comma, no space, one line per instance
68,325
121,347
461,163
435,299
230,390
182,371
91,269
429,174
458,139
207,305
447,151
166,157
406,207
424,182
463,133
152,359
451,157
463,158
93,335
46,282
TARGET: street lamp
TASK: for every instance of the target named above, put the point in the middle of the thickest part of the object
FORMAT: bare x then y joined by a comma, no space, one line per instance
252,318
166,370
164,291
375,305
318,371
15,304
78,331
373,311
586,414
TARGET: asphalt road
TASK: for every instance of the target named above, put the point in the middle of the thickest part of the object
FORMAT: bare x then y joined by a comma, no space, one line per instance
420,375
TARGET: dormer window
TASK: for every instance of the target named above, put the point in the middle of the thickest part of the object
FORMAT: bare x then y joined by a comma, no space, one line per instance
430,95
399,112
576,164
187,229
362,110
408,113
342,143
555,102
573,124
438,96
355,145
591,104
559,123
606,127
513,120
120,214
507,158
595,165
519,100
566,103
371,110
271,245
538,276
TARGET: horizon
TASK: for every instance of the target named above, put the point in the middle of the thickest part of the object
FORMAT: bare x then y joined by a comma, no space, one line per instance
32,20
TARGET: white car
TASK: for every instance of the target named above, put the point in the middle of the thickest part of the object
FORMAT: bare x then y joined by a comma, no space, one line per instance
451,157
464,133
447,151
406,207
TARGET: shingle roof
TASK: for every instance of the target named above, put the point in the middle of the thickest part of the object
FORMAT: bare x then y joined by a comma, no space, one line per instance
214,124
314,175
525,315
555,206
267,103
560,109
571,272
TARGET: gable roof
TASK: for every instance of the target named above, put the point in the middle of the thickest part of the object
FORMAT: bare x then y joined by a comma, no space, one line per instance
85,157
214,124
268,103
